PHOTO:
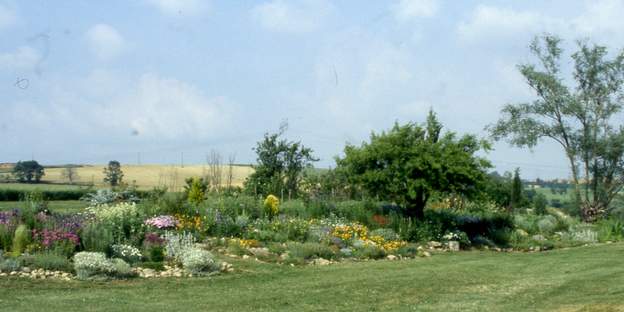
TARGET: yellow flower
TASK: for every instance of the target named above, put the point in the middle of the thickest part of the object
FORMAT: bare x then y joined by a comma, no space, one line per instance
271,205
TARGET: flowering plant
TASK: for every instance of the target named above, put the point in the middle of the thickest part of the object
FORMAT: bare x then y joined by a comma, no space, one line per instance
271,205
162,222
127,252
48,238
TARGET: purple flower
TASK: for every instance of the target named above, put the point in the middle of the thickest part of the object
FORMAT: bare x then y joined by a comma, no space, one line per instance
162,222
153,239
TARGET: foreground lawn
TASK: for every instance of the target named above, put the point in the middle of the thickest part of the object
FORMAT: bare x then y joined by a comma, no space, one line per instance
62,206
580,279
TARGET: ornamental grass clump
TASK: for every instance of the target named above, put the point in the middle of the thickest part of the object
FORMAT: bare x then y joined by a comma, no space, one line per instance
199,262
21,239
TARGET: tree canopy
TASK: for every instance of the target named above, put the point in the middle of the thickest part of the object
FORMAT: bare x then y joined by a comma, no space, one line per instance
410,162
280,164
113,174
580,118
28,171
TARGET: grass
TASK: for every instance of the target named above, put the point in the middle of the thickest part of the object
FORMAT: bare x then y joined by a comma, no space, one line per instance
580,279
62,206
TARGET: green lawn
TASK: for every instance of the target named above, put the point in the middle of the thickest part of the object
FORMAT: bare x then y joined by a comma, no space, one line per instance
63,206
580,279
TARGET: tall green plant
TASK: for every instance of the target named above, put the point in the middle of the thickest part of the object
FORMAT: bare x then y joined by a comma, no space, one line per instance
21,239
579,118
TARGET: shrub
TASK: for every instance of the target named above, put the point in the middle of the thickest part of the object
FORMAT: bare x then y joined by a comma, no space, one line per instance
20,239
199,261
49,261
97,237
271,205
177,244
610,230
158,266
124,219
121,269
9,265
385,233
369,252
547,224
91,264
6,237
308,251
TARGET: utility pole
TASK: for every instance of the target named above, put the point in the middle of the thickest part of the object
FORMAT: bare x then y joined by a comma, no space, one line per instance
139,158
182,159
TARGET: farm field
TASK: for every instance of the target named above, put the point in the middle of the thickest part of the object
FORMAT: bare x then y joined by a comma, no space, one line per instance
144,176
580,279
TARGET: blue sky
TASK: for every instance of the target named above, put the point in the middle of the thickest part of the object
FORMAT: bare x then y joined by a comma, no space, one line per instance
87,81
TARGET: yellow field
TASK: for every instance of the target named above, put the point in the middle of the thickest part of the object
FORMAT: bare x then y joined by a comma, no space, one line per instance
148,176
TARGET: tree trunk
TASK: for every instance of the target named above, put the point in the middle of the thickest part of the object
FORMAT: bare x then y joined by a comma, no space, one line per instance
416,206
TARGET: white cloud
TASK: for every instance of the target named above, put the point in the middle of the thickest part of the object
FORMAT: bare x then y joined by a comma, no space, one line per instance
171,109
406,10
489,21
291,16
23,58
601,19
176,8
8,17
105,41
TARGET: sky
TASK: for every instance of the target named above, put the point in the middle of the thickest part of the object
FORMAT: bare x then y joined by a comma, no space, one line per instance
165,81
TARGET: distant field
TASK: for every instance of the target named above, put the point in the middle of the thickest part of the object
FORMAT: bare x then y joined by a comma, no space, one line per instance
63,206
145,176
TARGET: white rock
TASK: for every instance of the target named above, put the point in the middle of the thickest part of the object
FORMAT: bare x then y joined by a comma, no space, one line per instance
453,245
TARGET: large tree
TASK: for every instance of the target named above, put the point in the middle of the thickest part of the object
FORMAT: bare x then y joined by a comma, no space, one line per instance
280,165
411,162
580,118
113,174
28,171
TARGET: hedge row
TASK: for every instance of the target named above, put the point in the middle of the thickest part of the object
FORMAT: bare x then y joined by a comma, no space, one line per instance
16,195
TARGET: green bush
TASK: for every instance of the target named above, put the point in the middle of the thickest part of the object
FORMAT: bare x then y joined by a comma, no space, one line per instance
199,261
155,253
21,239
308,251
6,237
97,237
610,230
9,265
95,265
48,261
387,234
158,266
121,269
369,252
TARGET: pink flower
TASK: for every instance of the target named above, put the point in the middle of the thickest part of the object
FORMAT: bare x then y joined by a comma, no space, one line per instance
162,222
